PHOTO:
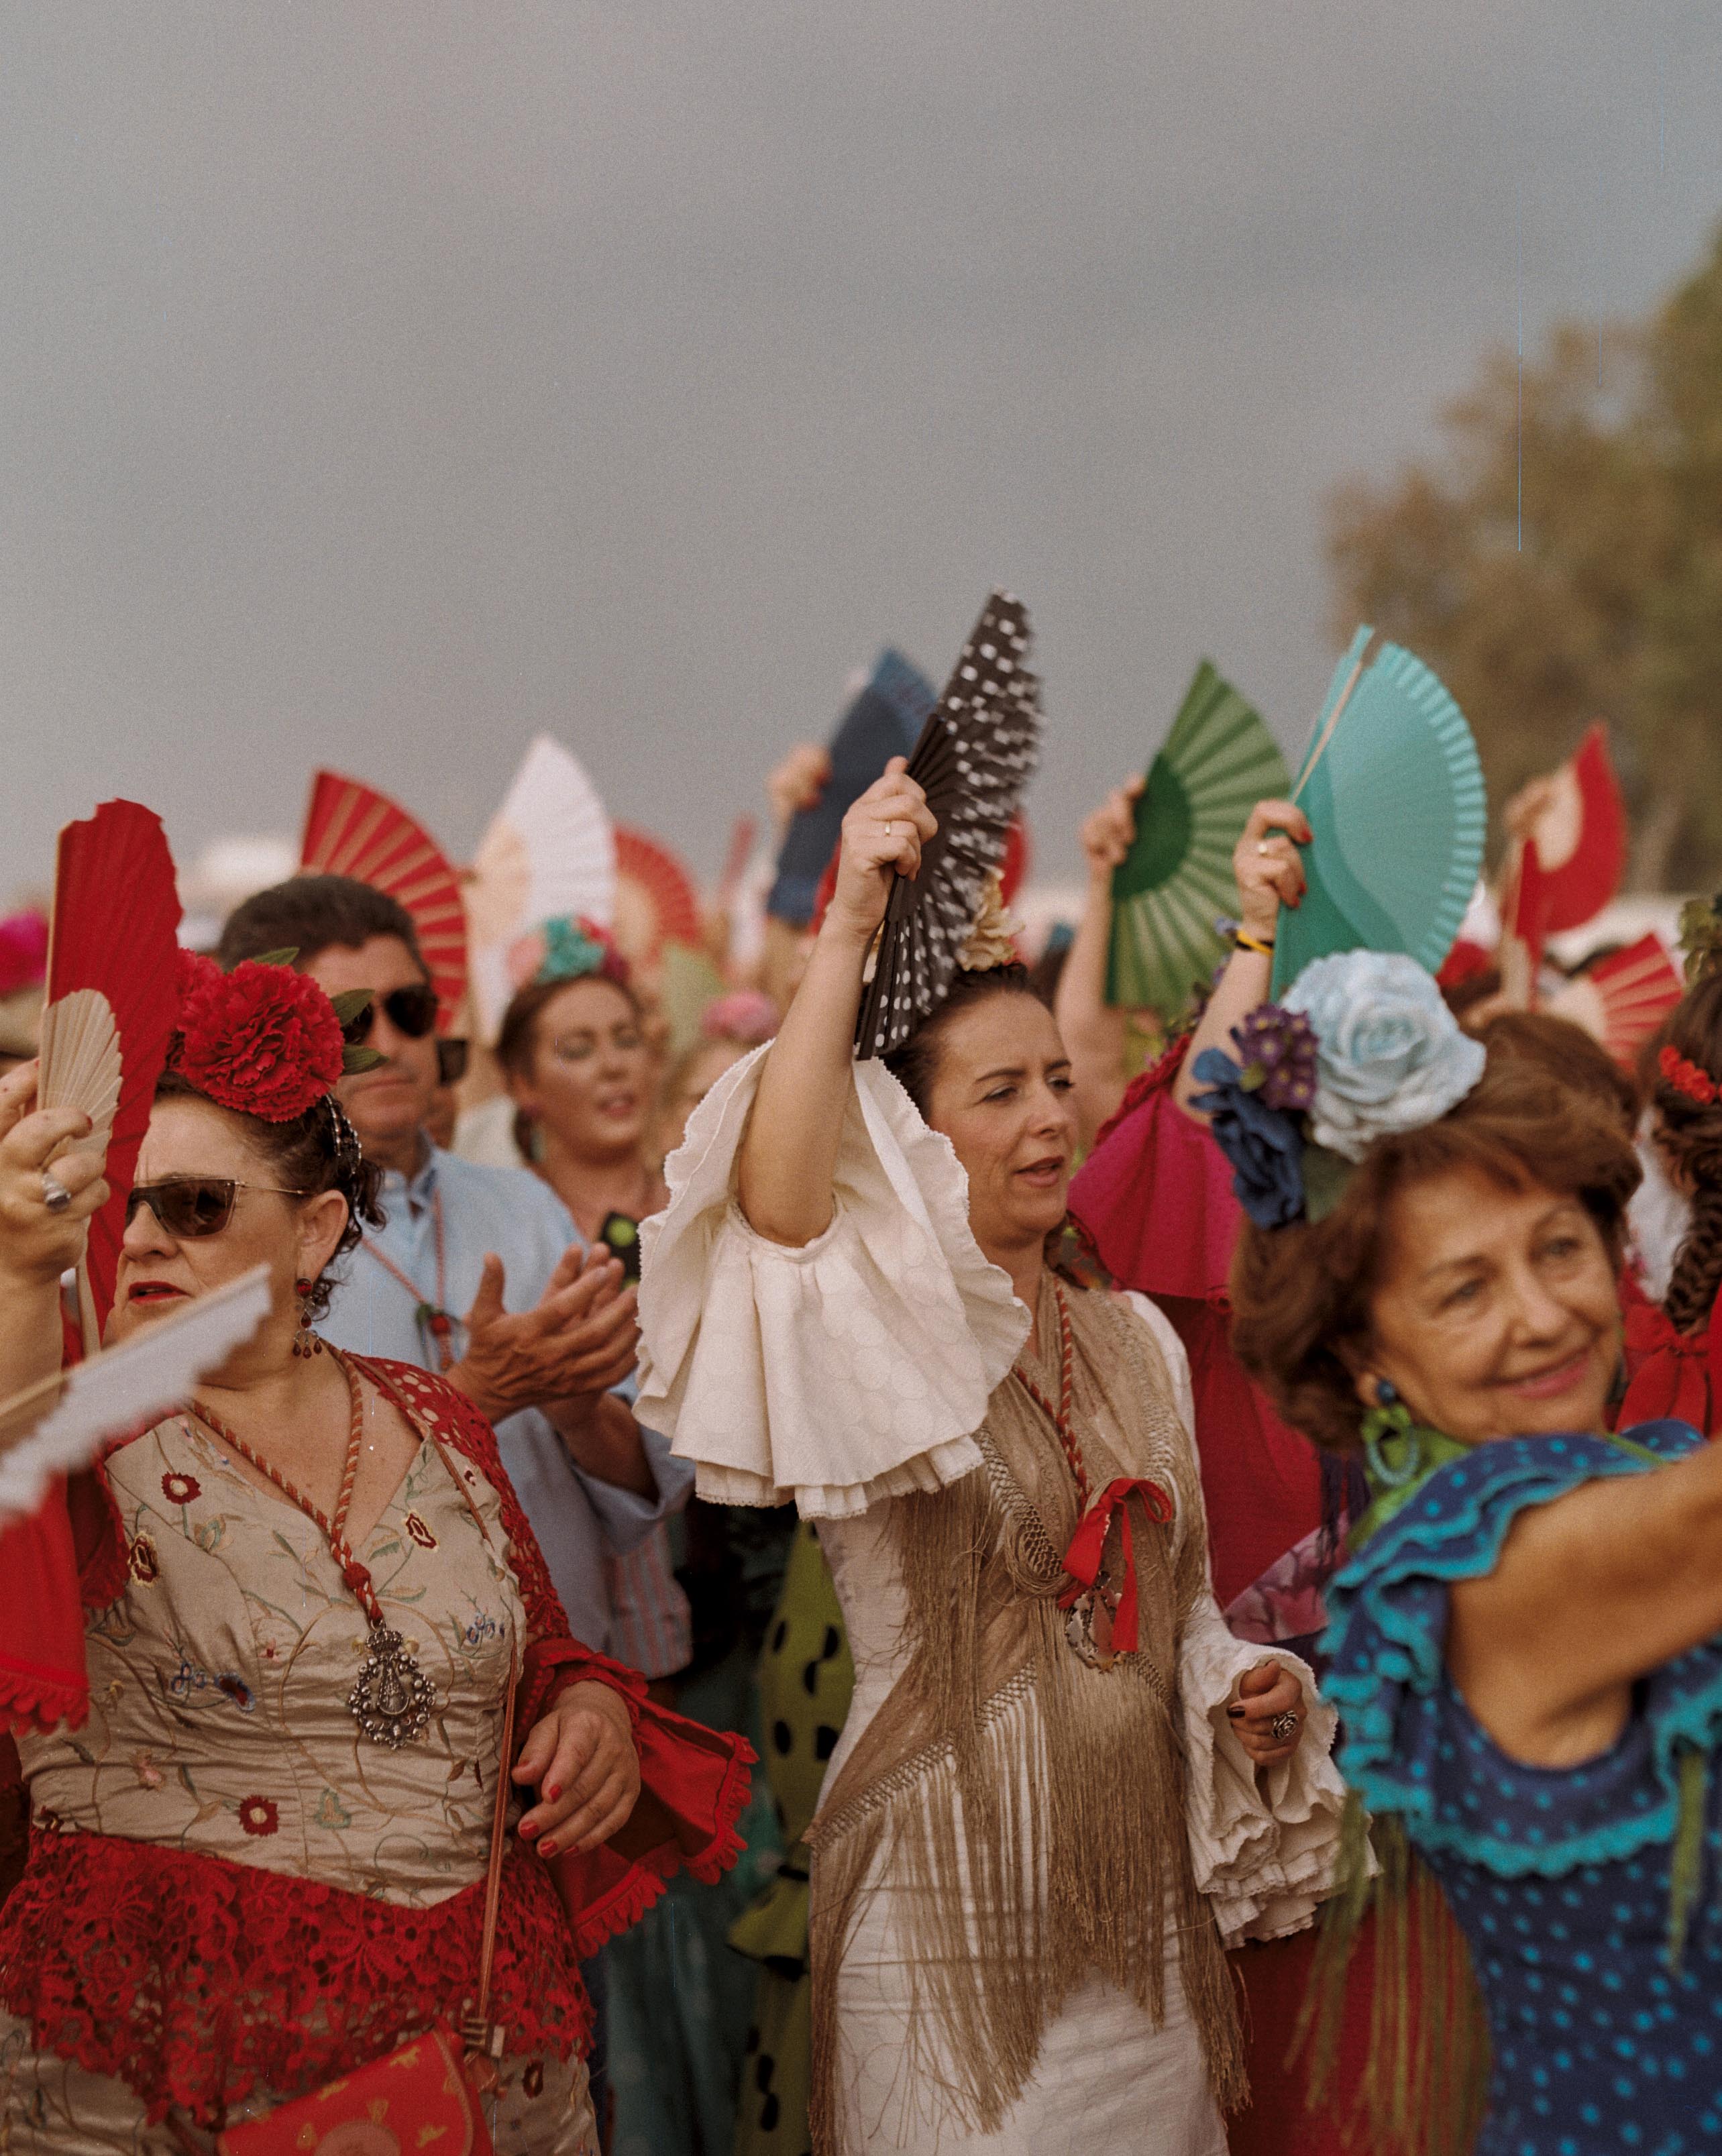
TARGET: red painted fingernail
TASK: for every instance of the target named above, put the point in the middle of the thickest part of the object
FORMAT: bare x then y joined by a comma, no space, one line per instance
546,1849
528,1828
553,1791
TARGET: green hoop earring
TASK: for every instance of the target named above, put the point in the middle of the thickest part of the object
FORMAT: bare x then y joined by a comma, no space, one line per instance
1380,1427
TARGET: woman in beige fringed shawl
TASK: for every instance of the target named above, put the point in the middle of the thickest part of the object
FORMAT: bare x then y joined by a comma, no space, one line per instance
1033,1845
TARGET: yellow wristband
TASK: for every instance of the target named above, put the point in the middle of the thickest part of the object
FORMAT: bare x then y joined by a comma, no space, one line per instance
1245,941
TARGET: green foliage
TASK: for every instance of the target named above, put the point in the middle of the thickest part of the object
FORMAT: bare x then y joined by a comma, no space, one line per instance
1613,608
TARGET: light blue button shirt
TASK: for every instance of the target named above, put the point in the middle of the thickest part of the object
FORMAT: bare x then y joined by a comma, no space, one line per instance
577,1519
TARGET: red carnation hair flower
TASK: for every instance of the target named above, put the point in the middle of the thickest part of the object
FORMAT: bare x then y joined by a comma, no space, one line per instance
262,1040
1688,1077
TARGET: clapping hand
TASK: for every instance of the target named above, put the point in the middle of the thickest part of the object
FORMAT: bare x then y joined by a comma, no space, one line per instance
582,1338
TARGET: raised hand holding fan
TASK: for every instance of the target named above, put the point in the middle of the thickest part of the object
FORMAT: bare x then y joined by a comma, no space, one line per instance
1218,761
976,754
1394,794
112,1003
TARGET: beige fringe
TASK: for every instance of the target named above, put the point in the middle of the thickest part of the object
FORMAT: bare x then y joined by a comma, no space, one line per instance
1033,1808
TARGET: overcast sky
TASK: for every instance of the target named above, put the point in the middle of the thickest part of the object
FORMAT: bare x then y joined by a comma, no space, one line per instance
382,383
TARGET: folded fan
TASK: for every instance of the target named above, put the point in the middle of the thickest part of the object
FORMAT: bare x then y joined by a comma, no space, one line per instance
352,830
1622,998
976,754
884,720
1394,794
1218,761
61,1425
113,1001
549,852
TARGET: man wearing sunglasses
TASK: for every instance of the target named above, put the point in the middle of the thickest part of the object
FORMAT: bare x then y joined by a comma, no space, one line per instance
480,1270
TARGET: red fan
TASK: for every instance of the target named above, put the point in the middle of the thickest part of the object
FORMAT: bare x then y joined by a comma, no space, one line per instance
657,900
1572,846
352,830
112,1006
1623,998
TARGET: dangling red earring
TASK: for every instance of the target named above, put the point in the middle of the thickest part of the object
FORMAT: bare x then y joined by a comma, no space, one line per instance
306,1343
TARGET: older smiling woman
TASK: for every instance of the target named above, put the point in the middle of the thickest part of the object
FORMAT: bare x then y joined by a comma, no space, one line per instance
262,1863
1524,1645
1062,1785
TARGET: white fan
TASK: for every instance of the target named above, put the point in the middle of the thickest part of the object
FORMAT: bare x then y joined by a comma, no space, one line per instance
123,1389
81,1066
550,850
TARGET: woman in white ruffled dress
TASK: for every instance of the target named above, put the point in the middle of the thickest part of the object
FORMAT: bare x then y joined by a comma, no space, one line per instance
1063,1787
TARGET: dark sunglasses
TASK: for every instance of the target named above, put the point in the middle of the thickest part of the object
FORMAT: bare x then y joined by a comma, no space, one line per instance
411,1011
192,1206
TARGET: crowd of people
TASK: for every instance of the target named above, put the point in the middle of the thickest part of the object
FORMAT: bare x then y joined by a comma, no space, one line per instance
1107,1579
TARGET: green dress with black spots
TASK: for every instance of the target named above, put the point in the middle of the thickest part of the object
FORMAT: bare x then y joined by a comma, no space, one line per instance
806,1679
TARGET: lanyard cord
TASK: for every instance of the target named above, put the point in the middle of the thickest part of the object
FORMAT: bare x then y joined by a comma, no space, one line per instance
434,1316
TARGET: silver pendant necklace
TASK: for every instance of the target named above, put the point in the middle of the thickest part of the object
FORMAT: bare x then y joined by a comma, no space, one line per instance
393,1699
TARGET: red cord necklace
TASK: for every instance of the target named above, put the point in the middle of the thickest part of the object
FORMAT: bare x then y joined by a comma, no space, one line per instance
1104,1619
393,1699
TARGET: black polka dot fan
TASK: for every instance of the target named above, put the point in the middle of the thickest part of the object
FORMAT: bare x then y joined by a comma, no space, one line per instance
976,754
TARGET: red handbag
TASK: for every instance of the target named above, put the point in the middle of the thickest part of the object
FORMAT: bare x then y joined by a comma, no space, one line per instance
422,2099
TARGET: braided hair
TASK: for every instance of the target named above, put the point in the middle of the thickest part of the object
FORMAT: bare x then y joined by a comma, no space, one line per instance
1690,1133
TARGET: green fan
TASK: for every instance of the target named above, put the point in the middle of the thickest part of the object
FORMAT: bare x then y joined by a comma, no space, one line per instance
1218,761
1394,794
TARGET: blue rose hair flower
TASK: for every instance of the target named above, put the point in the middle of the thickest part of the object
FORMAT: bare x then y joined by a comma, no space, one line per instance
1264,1144
1390,1057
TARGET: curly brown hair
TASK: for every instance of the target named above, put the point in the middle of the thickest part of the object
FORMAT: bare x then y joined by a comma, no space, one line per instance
1567,1055
1690,1134
1301,1295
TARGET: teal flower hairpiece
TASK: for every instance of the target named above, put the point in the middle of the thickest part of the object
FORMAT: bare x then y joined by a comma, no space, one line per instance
574,948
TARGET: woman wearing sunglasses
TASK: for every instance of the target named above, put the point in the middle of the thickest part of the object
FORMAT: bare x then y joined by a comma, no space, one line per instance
261,1865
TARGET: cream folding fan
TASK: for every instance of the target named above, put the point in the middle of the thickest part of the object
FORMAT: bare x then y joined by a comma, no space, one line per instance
550,850
61,1425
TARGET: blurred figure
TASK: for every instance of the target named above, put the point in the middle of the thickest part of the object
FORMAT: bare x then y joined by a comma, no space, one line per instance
1098,1033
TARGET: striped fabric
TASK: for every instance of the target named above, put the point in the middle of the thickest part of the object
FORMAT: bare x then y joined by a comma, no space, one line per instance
650,1625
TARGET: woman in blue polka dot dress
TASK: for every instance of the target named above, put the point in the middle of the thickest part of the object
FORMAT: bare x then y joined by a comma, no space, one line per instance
1524,1644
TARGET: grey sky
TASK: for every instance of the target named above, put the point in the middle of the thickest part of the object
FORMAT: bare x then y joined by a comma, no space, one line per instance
381,384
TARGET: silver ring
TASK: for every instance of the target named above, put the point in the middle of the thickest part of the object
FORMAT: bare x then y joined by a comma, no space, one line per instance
1262,846
889,828
55,1194
1283,1726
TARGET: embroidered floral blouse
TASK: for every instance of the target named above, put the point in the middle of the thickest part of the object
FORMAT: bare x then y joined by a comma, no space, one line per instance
230,1886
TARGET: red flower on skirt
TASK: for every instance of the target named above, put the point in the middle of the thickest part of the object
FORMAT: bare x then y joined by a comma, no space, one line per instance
258,1815
146,1566
181,1489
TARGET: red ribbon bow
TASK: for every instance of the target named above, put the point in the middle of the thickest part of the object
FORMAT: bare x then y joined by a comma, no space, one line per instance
1672,1373
1081,1560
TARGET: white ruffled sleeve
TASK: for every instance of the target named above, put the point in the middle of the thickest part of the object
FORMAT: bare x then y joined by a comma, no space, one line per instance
851,1370
1264,1857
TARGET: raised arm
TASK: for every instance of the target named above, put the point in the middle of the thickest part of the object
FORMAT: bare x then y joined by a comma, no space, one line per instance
1269,875
1592,1591
1092,1028
789,1155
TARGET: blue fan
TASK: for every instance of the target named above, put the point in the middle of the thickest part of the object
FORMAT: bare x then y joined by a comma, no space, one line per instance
1395,796
884,720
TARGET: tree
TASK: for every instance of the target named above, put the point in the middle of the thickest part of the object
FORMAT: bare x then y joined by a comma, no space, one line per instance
1612,606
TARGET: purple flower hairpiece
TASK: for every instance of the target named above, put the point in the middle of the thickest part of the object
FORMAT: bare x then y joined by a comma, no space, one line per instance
1276,1056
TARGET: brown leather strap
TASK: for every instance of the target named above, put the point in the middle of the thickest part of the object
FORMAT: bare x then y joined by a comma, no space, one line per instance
499,1836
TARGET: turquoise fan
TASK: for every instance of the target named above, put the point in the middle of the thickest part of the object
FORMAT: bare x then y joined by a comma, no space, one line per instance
1394,794
1218,761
